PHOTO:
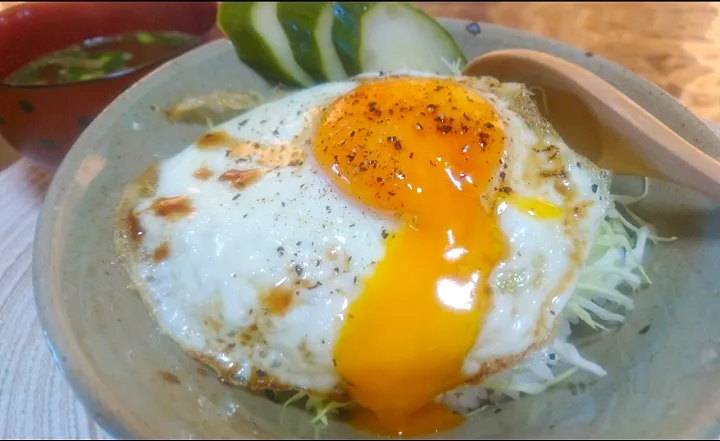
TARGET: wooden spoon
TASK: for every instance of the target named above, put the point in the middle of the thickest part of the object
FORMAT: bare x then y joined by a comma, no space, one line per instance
600,122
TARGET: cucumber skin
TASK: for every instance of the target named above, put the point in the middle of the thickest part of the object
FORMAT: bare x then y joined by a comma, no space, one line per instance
463,60
299,25
248,44
348,21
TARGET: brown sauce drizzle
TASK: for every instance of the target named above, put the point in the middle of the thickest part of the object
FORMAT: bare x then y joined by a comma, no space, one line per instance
162,252
169,377
174,208
241,178
134,228
214,140
203,174
278,300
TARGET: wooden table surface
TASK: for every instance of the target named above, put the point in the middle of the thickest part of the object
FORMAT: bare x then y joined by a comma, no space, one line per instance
675,45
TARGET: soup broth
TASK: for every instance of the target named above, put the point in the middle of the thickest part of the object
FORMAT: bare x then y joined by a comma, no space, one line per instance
102,56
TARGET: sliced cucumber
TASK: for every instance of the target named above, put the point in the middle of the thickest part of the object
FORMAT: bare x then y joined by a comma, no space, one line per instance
308,26
375,36
260,41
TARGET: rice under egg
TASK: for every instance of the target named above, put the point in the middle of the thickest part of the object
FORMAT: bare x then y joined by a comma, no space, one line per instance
381,241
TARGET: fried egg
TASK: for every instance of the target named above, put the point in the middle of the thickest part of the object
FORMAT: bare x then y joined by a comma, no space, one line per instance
380,241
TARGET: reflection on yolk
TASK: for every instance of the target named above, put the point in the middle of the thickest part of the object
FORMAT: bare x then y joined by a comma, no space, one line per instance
425,150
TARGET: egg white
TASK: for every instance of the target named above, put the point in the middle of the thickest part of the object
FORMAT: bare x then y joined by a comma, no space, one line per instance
282,228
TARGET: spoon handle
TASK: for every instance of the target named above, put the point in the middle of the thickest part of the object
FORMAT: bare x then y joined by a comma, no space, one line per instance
659,148
656,145
638,143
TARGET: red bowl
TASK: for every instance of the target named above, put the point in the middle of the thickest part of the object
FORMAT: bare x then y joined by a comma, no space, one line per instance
42,122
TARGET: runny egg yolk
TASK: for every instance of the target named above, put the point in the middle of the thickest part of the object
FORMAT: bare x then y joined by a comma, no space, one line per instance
425,150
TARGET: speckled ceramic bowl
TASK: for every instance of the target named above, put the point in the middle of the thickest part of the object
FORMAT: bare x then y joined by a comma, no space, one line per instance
664,378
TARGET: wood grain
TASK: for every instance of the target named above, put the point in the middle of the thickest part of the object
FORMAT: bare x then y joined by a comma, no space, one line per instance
675,45
35,399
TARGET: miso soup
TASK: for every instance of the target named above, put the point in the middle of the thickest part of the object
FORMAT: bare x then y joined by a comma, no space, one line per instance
102,56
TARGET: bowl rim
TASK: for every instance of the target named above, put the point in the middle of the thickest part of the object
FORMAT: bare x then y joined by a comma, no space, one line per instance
88,387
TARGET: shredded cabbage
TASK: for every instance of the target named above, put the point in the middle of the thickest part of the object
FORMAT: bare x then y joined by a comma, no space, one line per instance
455,66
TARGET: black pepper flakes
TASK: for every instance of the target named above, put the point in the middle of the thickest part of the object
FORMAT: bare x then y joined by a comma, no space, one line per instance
281,250
385,234
298,270
235,198
561,173
594,188
644,330
396,142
